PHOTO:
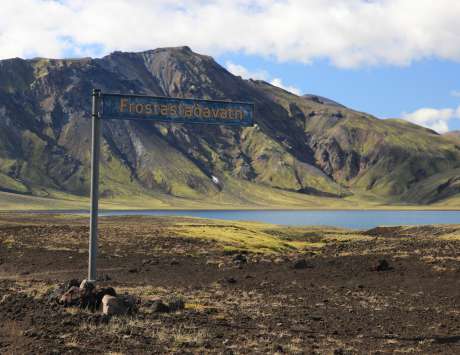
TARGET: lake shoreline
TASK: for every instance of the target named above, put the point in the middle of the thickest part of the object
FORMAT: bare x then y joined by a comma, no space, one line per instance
383,209
349,219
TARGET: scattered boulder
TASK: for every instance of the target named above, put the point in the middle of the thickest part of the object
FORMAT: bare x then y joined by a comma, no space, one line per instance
71,297
130,302
240,259
119,305
176,304
101,293
381,265
159,307
150,262
301,264
112,306
55,295
85,283
31,333
231,280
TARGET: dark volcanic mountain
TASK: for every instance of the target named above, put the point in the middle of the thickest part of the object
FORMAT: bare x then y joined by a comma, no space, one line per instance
303,149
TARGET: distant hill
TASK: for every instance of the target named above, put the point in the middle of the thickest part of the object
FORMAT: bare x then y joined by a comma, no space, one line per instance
306,151
453,135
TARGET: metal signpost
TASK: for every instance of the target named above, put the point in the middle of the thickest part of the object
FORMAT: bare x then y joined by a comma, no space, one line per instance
152,108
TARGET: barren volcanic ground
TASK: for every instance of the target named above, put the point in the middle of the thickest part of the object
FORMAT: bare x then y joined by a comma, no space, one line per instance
245,285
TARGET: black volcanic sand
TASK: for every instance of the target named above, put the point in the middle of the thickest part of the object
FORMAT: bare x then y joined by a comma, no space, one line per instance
336,304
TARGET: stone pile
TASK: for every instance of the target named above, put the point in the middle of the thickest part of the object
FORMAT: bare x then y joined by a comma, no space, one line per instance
87,295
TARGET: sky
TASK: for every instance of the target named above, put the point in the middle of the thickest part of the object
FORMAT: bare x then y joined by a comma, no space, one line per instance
389,58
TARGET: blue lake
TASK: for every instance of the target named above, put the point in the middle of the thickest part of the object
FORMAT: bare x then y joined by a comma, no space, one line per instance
346,219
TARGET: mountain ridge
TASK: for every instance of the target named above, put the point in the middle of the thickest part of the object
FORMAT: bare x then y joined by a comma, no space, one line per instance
307,147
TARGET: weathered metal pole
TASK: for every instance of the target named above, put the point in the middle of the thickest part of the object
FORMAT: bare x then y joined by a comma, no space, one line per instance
95,151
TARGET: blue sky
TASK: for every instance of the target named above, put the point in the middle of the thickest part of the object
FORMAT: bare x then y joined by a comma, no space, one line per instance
390,58
384,91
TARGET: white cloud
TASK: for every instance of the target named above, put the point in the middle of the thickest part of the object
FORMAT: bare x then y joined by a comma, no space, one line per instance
351,33
239,70
279,83
455,93
436,119
440,126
